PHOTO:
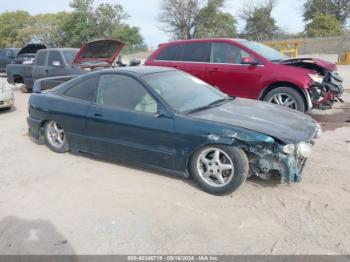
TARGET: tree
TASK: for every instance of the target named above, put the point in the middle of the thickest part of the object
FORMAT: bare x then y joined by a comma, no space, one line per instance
340,9
324,26
45,28
108,17
14,28
81,25
260,25
180,18
187,19
134,42
87,23
216,23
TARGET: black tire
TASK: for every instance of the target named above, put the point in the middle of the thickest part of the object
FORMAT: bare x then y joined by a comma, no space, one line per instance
63,148
241,170
285,90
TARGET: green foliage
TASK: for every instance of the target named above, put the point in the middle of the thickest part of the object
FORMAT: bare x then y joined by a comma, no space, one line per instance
130,36
340,9
260,25
46,29
215,22
324,26
85,23
14,28
187,19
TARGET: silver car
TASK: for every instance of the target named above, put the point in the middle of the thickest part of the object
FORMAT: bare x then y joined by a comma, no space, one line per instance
7,97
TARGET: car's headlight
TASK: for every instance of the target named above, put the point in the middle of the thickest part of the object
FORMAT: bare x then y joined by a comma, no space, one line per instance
304,149
319,131
6,87
316,78
288,149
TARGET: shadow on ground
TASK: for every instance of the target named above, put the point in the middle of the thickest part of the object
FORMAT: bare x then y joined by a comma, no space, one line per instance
338,119
7,110
32,237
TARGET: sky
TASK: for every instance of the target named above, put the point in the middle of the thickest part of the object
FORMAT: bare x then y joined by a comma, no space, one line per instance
143,13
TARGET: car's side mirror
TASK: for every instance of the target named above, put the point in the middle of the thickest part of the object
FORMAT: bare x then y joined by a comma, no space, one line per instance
56,63
249,61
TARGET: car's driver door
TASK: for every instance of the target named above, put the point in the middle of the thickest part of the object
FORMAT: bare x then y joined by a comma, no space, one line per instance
124,124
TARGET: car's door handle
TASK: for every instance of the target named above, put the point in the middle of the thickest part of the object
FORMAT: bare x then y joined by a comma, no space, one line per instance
215,69
98,114
46,70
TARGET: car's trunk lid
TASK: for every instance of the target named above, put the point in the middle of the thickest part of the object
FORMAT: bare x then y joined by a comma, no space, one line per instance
98,52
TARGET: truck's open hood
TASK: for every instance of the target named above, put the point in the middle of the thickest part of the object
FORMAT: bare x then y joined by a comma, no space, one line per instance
31,49
287,125
102,51
311,61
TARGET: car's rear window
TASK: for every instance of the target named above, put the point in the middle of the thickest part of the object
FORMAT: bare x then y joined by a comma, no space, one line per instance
189,52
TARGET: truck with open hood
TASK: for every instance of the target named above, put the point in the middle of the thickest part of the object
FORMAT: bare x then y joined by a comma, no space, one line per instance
65,62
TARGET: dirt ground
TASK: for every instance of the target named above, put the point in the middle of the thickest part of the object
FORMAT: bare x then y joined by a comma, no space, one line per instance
68,204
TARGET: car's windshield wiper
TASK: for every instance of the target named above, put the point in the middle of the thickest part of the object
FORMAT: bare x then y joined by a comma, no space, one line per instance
211,105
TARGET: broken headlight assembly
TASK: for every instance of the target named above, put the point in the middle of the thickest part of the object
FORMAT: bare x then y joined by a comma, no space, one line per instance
304,149
316,78
301,149
288,149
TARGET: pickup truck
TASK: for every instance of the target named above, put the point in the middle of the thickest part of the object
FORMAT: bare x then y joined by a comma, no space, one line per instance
57,62
25,55
48,62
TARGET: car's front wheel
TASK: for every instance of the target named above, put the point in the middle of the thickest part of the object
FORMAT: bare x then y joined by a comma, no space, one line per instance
55,137
286,96
219,170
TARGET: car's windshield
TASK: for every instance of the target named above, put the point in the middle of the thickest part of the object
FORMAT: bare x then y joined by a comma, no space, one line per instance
184,92
69,55
265,51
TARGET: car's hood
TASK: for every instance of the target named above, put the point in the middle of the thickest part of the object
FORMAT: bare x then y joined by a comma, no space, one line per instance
31,49
287,125
319,62
99,51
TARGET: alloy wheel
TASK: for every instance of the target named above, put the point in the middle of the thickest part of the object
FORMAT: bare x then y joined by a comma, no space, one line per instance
284,99
215,167
55,134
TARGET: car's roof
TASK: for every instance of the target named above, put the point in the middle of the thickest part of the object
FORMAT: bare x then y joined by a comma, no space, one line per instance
58,49
139,70
204,40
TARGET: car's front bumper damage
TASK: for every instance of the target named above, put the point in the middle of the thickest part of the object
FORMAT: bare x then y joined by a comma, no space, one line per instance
288,161
289,167
324,95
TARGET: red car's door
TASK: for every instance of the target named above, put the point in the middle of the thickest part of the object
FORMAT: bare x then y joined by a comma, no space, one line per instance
227,72
195,59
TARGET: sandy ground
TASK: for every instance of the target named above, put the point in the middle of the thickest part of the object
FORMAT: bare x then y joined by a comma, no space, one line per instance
68,204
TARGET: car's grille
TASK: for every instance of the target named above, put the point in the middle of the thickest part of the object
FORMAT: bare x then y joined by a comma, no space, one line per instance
2,102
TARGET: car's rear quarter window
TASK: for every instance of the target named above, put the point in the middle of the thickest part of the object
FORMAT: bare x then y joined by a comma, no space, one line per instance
84,90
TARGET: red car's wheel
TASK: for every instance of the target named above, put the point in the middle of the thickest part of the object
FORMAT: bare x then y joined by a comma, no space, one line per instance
286,96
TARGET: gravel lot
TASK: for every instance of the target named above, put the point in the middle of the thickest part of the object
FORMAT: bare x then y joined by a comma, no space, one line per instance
68,204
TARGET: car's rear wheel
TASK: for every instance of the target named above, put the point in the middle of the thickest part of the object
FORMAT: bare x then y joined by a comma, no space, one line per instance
55,137
219,170
286,96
